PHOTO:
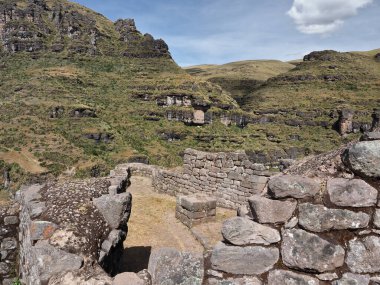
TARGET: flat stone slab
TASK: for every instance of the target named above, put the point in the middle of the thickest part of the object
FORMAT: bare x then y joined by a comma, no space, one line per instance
250,260
235,281
352,279
279,277
351,193
40,230
293,186
127,278
171,267
364,255
242,231
306,251
318,218
267,211
197,202
376,219
371,136
363,158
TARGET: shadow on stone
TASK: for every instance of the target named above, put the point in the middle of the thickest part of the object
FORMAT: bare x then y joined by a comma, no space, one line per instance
135,259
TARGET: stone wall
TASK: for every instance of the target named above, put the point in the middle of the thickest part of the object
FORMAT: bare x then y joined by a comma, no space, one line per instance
8,243
229,177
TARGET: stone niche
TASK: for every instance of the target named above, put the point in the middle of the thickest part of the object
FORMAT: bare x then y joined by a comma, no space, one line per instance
195,209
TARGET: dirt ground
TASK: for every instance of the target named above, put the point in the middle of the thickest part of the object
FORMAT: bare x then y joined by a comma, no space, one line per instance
153,225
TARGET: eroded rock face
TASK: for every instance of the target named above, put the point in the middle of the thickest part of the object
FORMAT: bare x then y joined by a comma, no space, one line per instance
306,251
364,255
241,231
250,260
351,193
363,159
267,211
171,267
293,186
277,277
318,218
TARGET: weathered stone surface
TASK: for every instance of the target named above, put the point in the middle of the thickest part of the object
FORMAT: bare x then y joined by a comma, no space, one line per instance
371,136
4,268
116,209
235,281
293,186
352,279
244,212
98,277
11,220
327,276
363,158
171,267
197,202
306,251
278,277
376,218
8,244
242,231
42,230
249,260
53,261
267,211
364,255
351,193
127,278
318,218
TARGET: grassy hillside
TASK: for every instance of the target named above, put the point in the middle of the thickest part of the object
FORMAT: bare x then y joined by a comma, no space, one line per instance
242,77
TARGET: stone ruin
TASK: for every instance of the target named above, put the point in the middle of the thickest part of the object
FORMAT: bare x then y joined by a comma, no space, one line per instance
318,222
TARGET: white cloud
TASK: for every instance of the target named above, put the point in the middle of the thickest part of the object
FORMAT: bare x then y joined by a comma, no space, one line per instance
323,16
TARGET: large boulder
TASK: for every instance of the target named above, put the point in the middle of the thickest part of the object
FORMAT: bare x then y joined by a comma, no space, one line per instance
242,231
277,277
363,158
267,211
250,260
364,255
351,193
116,209
318,218
293,186
306,251
170,267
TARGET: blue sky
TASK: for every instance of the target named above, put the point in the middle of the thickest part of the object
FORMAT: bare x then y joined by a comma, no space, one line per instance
220,31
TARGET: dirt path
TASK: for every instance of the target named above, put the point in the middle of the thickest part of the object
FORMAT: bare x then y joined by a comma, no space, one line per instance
153,225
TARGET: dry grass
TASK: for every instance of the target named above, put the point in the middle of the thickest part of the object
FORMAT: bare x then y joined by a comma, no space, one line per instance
24,159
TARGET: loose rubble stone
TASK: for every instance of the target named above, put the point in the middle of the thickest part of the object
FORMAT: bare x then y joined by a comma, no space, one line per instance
364,255
318,218
352,279
363,158
351,193
116,209
42,230
306,251
127,278
277,277
242,231
244,212
293,186
250,260
291,223
376,218
171,267
4,269
371,136
53,261
11,220
8,244
235,281
267,211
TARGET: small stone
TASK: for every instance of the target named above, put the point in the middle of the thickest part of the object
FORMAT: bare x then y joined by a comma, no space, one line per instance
267,211
352,279
40,230
11,220
351,193
306,251
291,223
242,231
376,218
327,276
236,281
250,260
8,244
364,255
318,218
3,254
293,186
4,269
277,277
127,278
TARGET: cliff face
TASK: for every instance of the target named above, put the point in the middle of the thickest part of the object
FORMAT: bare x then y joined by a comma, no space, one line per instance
60,26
